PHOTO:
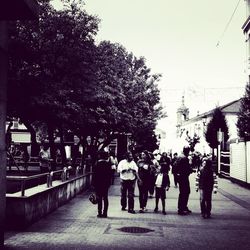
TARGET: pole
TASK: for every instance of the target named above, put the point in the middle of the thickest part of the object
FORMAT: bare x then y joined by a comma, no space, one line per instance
219,156
3,97
219,139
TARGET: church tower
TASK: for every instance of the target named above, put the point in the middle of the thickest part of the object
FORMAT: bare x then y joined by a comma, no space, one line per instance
182,115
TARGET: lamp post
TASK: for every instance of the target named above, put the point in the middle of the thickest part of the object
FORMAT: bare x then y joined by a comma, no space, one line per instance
9,10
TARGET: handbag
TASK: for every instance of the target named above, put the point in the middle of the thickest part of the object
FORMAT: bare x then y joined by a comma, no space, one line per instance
93,198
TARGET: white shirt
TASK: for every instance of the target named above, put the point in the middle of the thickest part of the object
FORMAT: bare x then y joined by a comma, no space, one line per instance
130,167
159,179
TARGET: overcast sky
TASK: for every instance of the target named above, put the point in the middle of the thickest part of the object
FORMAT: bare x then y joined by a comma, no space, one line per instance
178,39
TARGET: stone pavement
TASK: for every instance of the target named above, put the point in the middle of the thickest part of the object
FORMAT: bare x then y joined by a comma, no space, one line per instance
75,225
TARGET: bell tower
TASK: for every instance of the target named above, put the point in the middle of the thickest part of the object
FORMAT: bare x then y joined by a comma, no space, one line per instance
182,115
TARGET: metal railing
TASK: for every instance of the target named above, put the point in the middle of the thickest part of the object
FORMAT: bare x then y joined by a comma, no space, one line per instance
65,175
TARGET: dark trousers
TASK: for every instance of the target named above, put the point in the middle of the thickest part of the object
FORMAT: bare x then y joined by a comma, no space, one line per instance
206,201
152,184
127,192
184,191
143,195
103,202
175,179
113,177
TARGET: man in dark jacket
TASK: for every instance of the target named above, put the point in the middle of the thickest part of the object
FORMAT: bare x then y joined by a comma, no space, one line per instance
183,169
102,180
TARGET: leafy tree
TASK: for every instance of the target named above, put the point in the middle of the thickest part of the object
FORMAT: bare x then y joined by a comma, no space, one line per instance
243,122
64,82
51,80
129,95
217,122
192,141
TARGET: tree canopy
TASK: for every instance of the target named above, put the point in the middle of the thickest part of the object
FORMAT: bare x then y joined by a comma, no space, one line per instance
243,122
61,79
217,122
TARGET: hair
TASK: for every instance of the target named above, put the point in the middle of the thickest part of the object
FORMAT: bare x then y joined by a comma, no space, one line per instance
208,162
127,154
186,150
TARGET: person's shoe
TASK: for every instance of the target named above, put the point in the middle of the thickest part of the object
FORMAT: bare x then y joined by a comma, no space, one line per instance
209,216
145,209
104,216
188,211
164,212
124,209
141,211
182,212
203,216
99,215
156,210
131,211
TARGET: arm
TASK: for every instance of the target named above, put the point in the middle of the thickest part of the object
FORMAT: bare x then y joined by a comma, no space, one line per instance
197,180
215,183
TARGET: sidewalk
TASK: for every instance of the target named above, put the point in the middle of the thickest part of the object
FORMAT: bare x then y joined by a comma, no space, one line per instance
75,225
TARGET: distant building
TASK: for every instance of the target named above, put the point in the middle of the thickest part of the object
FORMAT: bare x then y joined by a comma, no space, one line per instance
198,124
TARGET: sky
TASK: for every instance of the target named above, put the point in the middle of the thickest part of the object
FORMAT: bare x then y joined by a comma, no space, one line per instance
179,39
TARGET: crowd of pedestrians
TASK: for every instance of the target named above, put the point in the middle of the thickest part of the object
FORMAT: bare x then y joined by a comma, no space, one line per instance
151,173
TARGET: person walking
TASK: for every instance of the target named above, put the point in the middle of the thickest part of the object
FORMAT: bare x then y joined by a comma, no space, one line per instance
174,172
144,164
128,174
102,181
154,169
114,164
183,169
206,182
44,158
162,184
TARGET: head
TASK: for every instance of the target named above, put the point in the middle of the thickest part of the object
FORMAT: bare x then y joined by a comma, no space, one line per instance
145,155
129,156
206,163
45,147
186,150
175,155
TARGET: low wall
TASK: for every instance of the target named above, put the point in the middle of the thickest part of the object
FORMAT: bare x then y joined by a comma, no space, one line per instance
240,161
40,201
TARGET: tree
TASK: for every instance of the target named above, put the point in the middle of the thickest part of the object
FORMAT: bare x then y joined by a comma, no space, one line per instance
243,123
52,79
217,122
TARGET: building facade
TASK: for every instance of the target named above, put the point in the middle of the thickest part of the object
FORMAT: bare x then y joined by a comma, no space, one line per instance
197,125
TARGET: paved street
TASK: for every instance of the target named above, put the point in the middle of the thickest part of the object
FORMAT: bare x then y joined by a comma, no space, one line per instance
75,225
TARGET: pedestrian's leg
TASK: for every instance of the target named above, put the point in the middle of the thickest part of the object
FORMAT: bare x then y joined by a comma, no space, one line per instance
156,199
181,198
105,203
175,180
202,203
151,187
209,203
140,187
99,205
131,193
163,205
123,194
145,200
